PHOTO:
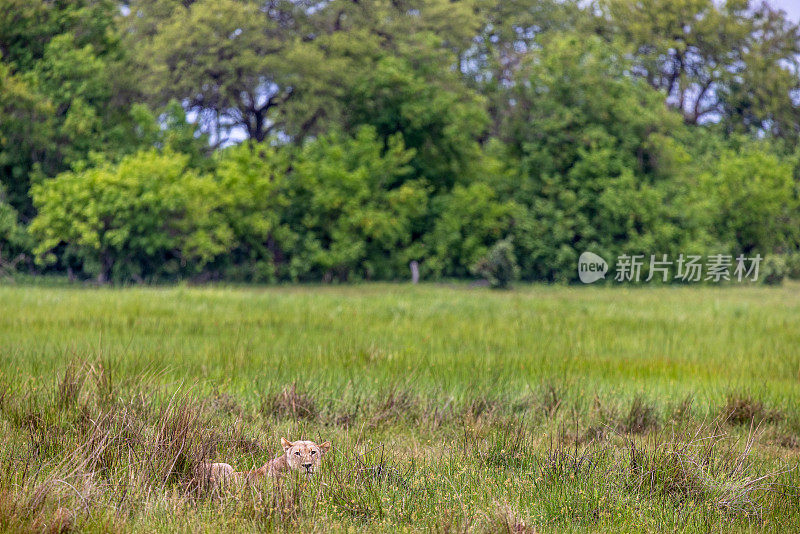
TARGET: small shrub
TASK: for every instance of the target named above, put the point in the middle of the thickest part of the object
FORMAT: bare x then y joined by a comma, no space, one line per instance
70,385
550,398
481,406
671,471
700,465
227,404
789,441
181,442
499,266
793,265
606,416
773,270
63,521
682,411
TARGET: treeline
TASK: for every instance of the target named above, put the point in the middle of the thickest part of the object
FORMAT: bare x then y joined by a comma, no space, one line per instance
275,140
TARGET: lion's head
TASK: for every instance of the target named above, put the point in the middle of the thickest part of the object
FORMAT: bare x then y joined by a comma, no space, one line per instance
304,456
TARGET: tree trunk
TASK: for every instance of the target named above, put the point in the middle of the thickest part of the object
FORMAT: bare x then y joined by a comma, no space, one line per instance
106,263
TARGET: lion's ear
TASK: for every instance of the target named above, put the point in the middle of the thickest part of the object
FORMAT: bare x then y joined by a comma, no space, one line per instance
286,444
325,447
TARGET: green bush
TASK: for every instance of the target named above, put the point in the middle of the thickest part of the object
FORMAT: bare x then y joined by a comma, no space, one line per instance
252,179
350,212
752,200
467,221
499,266
14,241
793,265
146,217
773,269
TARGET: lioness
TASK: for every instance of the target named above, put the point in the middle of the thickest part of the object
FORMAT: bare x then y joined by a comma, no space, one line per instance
303,456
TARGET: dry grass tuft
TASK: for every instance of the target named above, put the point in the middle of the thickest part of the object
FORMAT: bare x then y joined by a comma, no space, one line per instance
744,410
641,417
290,403
396,405
701,466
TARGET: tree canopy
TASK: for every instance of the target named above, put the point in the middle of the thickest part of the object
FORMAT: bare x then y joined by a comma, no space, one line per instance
340,140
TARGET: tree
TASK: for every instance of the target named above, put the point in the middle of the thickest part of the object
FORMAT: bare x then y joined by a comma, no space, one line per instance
394,66
171,130
733,60
289,70
14,240
599,166
230,62
441,124
508,32
66,90
753,200
763,97
25,120
253,181
148,216
468,221
348,220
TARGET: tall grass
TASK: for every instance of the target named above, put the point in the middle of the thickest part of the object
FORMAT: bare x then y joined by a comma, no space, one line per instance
450,409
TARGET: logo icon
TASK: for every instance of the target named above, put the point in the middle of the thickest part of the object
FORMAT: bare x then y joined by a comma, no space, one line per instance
591,267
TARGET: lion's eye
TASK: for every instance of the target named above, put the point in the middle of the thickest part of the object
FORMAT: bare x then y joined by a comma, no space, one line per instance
297,453
313,452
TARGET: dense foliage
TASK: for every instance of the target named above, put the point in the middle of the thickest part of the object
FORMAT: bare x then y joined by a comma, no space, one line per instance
290,140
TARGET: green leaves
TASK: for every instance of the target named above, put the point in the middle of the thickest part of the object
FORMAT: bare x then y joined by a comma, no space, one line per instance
499,267
64,90
598,161
14,241
754,201
336,213
384,132
24,122
736,60
468,221
350,208
229,60
149,215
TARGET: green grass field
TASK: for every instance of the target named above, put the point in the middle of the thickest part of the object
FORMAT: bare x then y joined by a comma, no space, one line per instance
450,408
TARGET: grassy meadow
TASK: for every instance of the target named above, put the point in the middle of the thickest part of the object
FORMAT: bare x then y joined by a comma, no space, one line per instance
450,408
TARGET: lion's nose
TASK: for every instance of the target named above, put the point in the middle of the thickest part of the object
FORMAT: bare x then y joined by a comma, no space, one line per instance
308,465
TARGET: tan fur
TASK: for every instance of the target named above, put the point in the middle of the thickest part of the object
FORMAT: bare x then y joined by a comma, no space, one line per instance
219,473
63,520
302,456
